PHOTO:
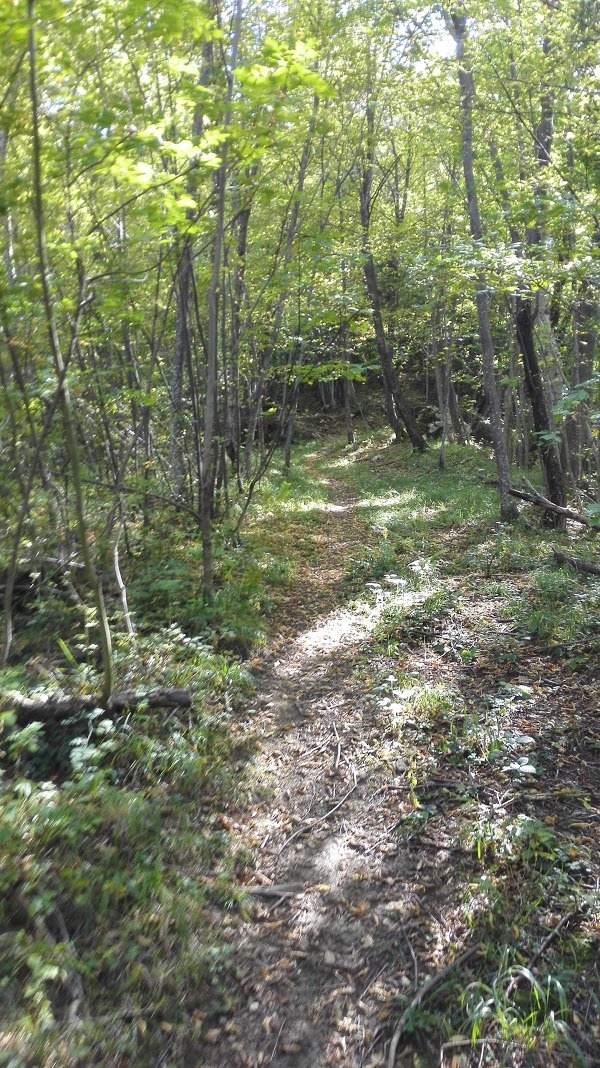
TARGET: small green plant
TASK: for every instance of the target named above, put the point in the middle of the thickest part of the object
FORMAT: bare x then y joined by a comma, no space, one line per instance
414,618
22,741
562,607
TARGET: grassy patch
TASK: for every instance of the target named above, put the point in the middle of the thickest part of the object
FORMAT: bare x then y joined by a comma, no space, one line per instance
114,859
484,649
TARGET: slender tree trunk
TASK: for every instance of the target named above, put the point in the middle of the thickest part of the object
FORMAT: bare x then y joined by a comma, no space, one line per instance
66,404
293,408
397,408
291,230
212,334
542,422
182,284
457,25
585,313
528,311
232,418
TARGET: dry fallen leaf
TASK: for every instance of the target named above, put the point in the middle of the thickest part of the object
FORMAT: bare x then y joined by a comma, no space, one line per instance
359,910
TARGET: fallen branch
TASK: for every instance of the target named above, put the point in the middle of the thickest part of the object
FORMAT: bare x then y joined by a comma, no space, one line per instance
575,562
279,890
60,707
535,497
433,981
320,819
516,979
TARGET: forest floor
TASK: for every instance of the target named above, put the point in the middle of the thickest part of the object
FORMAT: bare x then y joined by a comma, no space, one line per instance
424,782
373,844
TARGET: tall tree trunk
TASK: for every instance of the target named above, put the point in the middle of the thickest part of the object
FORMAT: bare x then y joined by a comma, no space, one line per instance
457,24
525,315
207,481
232,417
528,310
542,422
182,285
66,403
397,408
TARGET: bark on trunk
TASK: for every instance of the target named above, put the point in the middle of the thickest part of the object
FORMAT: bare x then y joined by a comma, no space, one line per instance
457,25
182,284
208,475
528,311
65,400
543,424
397,407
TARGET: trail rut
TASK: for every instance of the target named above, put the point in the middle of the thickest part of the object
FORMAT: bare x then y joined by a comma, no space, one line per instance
321,955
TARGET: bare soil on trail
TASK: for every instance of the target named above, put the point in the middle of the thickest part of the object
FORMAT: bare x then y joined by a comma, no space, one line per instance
349,918
328,943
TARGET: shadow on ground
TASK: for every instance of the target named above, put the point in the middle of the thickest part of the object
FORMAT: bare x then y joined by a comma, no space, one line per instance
405,805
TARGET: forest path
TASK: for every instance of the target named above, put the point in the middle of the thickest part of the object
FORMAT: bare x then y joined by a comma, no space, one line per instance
423,780
331,884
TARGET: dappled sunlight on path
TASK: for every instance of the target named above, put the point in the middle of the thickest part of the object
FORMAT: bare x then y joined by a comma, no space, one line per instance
369,794
319,961
343,628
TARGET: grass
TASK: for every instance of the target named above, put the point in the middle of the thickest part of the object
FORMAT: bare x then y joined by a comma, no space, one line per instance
484,649
117,857
113,861
114,853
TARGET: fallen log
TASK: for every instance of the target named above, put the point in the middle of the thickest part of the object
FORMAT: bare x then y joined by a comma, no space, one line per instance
576,563
57,707
542,502
46,568
429,984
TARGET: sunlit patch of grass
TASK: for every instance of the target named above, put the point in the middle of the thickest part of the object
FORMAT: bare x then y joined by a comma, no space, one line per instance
562,607
298,490
110,876
414,618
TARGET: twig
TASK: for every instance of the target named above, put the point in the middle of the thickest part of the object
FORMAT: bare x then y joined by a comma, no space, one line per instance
538,498
275,890
120,583
428,985
575,562
274,1050
516,979
321,819
316,749
338,751
412,953
373,980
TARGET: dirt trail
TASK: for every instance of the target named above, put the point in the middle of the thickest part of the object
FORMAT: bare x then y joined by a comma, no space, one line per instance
323,951
350,918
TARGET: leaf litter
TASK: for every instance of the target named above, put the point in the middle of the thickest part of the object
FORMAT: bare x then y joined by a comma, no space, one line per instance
407,805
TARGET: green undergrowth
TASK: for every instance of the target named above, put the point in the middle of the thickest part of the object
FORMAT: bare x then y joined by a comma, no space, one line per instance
481,669
113,858
515,867
287,512
116,861
161,562
167,579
